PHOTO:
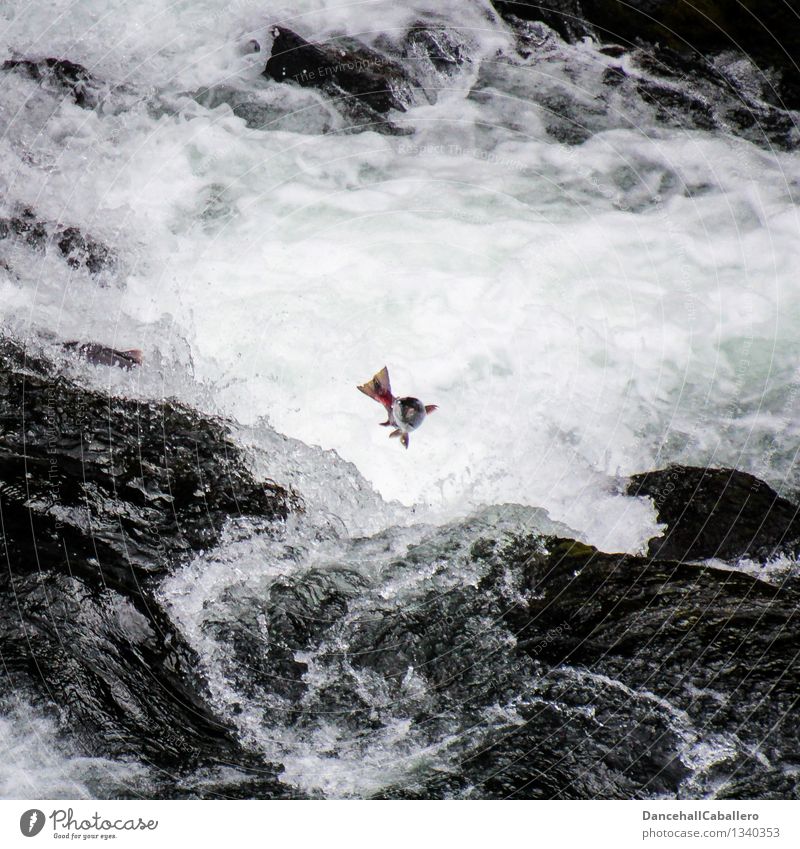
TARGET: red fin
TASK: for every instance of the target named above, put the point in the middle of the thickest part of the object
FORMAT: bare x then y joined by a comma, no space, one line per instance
429,408
379,388
404,440
134,355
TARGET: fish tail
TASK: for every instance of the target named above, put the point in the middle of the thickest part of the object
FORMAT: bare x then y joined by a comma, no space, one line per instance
379,388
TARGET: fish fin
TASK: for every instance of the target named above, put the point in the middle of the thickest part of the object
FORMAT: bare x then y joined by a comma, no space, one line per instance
387,423
134,355
429,408
379,388
395,433
404,440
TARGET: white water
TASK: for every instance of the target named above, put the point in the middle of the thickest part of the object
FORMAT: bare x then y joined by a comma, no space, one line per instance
38,763
566,338
577,313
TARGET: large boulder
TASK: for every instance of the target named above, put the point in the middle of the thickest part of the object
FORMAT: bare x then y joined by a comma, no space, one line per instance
111,488
718,513
99,498
363,83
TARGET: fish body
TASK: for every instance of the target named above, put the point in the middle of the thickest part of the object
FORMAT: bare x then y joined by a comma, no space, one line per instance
403,414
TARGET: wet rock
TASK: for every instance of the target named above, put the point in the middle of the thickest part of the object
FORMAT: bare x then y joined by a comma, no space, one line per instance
264,633
643,677
566,17
766,30
66,76
712,647
27,227
364,83
677,107
718,513
699,65
99,496
109,488
437,46
120,682
78,249
347,66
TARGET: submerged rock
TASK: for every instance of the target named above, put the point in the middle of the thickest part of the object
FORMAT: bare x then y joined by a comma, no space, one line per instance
61,74
440,47
78,249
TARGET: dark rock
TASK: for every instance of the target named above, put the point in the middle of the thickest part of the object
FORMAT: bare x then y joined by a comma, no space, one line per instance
109,488
714,648
27,227
768,31
98,495
294,612
676,106
121,682
437,45
566,17
563,672
359,79
718,513
61,74
78,249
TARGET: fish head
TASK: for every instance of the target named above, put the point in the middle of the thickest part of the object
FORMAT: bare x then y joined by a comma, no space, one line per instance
409,413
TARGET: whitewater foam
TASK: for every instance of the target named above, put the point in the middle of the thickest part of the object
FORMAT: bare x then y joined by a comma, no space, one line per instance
577,313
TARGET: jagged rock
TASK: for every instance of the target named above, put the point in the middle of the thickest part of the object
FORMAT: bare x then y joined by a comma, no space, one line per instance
77,248
439,46
766,30
62,74
110,488
718,513
362,82
98,495
714,648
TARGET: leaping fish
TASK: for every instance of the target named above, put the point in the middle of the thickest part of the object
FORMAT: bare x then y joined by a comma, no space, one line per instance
403,414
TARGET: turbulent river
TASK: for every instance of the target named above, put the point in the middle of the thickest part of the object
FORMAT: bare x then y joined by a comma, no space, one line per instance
587,286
